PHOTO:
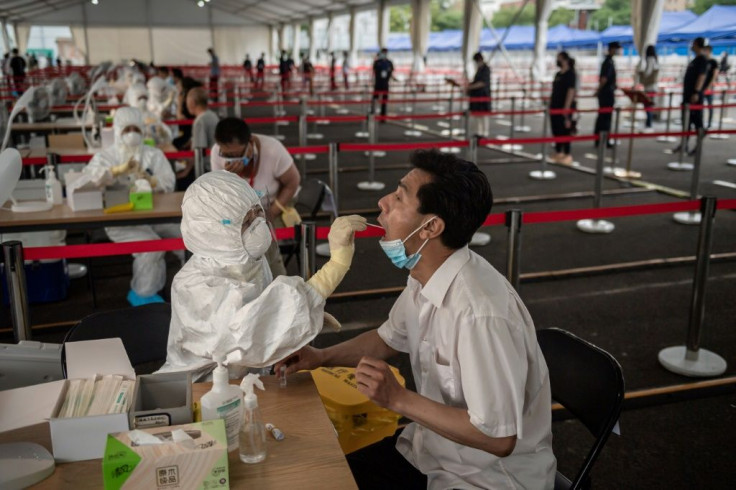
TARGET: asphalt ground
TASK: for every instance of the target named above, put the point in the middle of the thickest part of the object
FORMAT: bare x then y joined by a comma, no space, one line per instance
632,311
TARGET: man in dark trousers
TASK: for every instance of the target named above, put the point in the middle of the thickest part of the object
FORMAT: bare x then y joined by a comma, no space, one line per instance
17,67
248,67
383,72
606,91
260,70
480,87
692,89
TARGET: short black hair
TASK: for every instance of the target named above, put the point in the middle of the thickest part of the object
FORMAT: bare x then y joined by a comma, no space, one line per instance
459,193
231,129
614,45
177,73
478,56
164,69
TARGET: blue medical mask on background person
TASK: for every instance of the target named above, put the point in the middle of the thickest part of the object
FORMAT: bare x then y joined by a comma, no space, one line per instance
396,251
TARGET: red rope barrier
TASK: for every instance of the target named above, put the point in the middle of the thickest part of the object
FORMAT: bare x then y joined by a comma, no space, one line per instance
612,212
401,146
301,150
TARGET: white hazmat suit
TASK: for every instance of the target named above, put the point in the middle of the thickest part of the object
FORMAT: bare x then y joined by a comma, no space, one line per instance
121,165
162,96
224,299
137,96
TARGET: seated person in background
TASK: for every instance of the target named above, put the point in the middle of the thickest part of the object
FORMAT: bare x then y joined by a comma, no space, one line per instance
203,130
267,166
137,96
481,412
183,86
162,97
224,300
127,161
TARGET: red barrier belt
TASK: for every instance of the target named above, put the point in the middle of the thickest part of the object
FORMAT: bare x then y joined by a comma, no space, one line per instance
344,119
547,139
402,146
495,219
418,116
178,122
726,204
102,249
270,120
614,212
34,161
300,150
75,158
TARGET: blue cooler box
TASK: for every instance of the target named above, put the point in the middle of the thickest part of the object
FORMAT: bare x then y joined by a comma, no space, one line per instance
45,282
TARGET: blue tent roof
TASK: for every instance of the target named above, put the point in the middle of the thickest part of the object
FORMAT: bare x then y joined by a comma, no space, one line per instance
717,21
561,36
670,21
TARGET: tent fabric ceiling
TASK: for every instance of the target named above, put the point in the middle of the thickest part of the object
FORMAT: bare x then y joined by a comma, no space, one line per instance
270,12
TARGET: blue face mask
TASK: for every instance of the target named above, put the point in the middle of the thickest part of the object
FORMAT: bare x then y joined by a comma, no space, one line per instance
396,251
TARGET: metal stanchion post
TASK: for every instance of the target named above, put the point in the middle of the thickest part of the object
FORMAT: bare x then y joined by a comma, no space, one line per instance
512,146
303,142
15,278
371,184
368,108
690,359
614,150
198,162
412,131
479,238
468,130
513,252
334,176
522,128
668,139
721,136
627,172
305,110
543,173
237,110
598,225
689,217
680,164
473,149
307,250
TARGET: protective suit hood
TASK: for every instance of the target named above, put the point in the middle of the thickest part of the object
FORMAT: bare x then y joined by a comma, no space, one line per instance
213,210
134,92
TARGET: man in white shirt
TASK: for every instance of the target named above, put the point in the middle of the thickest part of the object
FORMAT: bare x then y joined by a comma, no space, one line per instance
482,410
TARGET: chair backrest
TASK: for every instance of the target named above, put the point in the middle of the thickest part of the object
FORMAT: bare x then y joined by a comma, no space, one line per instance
144,331
310,197
588,382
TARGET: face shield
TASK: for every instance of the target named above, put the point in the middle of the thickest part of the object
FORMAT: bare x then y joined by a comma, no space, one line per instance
257,233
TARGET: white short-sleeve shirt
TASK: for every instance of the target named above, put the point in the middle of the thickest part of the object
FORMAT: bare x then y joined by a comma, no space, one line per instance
472,345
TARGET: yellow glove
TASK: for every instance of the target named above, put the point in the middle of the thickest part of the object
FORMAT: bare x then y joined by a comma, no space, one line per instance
332,322
342,248
289,214
124,168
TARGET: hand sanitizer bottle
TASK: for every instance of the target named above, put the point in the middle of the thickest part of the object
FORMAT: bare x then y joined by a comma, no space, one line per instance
224,401
252,430
53,186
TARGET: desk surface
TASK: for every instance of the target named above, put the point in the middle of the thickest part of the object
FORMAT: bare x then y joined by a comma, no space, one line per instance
42,152
65,124
166,208
309,456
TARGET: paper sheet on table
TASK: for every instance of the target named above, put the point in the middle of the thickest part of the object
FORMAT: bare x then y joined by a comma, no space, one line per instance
21,407
90,357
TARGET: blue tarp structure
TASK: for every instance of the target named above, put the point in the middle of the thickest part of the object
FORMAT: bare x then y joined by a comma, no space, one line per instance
675,29
719,21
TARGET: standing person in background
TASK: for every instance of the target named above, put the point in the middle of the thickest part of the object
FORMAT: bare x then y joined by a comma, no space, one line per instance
205,121
346,69
32,61
480,87
214,73
725,67
284,71
333,62
383,73
17,67
648,76
260,71
692,90
606,91
563,97
711,75
248,67
307,74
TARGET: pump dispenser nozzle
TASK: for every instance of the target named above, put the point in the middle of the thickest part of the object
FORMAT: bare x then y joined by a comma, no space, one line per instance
248,385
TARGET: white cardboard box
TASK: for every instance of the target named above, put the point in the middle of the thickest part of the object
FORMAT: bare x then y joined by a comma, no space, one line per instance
82,438
84,198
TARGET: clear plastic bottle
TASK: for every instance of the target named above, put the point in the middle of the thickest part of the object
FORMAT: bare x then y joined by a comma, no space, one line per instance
252,430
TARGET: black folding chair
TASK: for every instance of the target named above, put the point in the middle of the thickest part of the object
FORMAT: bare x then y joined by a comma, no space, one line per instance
308,203
144,331
588,382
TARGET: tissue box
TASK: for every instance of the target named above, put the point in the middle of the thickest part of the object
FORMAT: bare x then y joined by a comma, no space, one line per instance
141,200
162,399
83,438
199,463
85,198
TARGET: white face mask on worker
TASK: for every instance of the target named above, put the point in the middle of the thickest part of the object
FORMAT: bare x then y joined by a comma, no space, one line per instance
132,139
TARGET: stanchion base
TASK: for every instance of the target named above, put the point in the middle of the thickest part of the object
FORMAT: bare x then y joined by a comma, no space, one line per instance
718,136
362,134
371,186
512,147
322,249
680,167
480,239
731,161
622,172
282,123
455,132
707,363
666,139
688,218
376,153
322,122
315,136
412,132
438,108
542,175
310,156
503,122
77,271
342,111
522,129
279,137
595,226
451,149
443,124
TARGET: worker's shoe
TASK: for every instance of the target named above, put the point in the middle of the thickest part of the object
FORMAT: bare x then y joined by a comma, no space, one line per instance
136,300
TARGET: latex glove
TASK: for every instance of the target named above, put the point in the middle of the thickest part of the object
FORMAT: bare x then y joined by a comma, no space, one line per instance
342,248
124,168
332,322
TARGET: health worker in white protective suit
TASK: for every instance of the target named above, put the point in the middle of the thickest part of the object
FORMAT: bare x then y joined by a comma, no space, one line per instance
162,96
225,301
122,165
137,96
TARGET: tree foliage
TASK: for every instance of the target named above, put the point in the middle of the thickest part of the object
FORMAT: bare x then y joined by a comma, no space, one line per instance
701,6
505,15
617,12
